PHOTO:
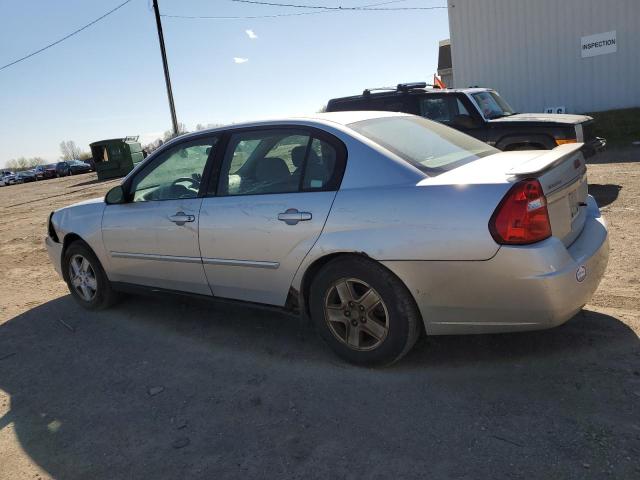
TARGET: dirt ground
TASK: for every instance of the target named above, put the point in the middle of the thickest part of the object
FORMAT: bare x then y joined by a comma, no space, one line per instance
172,387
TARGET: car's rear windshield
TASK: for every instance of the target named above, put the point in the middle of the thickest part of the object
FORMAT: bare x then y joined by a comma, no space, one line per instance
429,146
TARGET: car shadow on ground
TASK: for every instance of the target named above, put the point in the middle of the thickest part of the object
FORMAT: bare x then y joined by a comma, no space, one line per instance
616,154
175,387
604,194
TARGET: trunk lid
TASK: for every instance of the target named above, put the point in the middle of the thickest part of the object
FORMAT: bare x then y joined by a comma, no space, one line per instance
563,175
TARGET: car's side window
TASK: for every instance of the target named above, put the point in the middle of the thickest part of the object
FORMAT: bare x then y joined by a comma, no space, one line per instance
442,109
176,173
276,161
320,165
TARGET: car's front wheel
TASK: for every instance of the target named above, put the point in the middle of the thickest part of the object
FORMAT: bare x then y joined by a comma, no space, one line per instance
364,312
86,278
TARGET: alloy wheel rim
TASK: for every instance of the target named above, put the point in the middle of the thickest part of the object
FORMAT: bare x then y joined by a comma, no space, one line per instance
356,314
83,278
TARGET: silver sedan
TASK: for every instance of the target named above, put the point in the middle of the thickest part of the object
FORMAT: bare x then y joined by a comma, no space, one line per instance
378,226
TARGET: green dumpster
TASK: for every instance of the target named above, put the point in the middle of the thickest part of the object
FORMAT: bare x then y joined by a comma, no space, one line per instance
116,157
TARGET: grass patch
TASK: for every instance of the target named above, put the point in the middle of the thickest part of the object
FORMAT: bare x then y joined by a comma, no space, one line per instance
619,127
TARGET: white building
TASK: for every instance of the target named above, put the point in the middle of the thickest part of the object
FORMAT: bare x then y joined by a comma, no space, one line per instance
583,55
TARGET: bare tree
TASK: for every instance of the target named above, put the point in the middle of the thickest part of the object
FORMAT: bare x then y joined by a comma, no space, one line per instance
202,126
168,135
23,163
151,146
69,150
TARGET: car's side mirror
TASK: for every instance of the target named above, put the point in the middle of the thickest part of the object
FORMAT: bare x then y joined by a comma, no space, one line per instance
465,121
115,196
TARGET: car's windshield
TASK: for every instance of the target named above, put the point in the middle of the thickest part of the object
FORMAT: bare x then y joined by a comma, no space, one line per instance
429,146
492,105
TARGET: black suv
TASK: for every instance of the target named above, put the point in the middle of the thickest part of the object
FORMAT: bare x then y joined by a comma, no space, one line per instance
481,113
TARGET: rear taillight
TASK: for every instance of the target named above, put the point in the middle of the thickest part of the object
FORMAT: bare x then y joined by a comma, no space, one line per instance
521,216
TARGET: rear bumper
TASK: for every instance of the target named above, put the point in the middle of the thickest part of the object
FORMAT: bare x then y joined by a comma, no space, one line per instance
530,287
54,249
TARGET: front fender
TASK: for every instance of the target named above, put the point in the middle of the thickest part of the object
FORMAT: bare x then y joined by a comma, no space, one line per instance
85,220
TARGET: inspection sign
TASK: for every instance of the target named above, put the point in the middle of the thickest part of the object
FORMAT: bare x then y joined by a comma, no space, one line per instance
599,44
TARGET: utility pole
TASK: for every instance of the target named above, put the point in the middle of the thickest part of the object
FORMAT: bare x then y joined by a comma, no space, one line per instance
163,52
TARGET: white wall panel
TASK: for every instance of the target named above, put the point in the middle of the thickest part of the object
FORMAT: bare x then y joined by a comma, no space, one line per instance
529,50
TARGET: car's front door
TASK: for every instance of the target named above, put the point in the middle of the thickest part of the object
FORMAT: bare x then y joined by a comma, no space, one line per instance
271,199
152,239
445,108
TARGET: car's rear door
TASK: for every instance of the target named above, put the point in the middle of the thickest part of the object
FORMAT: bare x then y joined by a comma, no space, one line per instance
152,239
267,206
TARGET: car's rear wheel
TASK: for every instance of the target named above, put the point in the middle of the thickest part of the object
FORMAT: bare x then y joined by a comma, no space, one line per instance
364,312
86,278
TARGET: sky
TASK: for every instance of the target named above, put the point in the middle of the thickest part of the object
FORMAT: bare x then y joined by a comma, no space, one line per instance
107,81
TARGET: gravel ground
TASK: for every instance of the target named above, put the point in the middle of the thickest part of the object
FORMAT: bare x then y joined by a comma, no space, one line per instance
174,387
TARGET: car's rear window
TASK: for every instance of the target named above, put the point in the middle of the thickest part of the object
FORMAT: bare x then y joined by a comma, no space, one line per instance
429,146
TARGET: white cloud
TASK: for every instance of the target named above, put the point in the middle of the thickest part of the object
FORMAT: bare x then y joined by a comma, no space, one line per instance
240,60
251,34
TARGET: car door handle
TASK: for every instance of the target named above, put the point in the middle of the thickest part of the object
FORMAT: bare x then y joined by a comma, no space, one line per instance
181,218
292,216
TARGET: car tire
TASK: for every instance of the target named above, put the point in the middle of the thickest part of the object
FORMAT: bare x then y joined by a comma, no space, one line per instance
87,282
375,324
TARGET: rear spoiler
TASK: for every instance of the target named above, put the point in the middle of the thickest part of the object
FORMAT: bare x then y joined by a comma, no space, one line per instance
546,160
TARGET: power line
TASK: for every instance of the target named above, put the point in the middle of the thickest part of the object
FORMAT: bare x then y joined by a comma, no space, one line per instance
65,37
239,17
277,15
341,8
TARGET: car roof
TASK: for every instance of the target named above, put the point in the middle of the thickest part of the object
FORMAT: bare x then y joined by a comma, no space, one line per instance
412,91
327,119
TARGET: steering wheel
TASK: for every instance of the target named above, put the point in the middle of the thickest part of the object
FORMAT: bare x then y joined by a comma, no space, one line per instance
195,182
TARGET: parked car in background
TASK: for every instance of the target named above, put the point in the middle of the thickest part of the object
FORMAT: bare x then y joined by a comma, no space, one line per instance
25,177
77,167
10,179
63,169
91,163
377,225
481,113
5,177
44,172
71,167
